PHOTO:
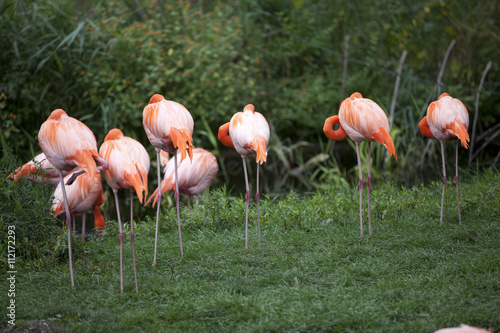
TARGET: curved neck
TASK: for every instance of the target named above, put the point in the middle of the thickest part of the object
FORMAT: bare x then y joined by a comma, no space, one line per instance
337,135
224,137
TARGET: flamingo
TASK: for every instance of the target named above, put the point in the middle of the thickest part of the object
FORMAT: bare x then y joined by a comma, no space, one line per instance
169,127
248,133
82,195
128,169
361,119
68,143
463,329
447,120
194,177
39,170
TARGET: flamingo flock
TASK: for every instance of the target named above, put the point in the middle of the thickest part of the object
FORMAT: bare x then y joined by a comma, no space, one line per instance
72,163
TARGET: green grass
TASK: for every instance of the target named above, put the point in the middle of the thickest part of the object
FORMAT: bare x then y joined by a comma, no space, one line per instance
314,273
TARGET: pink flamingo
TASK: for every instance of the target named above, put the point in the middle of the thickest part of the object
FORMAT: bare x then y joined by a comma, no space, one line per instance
361,119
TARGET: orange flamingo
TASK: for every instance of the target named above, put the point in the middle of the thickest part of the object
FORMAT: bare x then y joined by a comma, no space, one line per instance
83,194
248,133
39,170
128,169
169,127
361,119
68,143
194,177
447,120
463,329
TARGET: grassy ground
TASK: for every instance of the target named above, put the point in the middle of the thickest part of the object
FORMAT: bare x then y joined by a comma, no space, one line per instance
314,272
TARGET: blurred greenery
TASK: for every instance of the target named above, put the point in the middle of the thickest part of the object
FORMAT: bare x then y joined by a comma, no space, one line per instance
102,61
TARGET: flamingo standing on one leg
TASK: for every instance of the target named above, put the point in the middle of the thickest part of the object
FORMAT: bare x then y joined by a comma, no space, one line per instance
193,177
248,133
447,120
39,170
82,195
68,143
361,119
128,168
169,127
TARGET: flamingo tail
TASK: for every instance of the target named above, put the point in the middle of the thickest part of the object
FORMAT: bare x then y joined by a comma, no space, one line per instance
459,130
182,140
259,143
384,137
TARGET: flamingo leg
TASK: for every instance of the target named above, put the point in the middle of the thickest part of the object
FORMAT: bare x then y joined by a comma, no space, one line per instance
132,237
158,202
84,215
68,226
360,186
247,200
121,238
444,181
368,185
177,203
456,182
257,197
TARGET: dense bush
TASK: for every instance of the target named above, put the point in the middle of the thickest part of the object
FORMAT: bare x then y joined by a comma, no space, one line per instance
101,62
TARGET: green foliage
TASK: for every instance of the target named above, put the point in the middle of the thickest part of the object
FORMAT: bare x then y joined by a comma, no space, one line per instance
102,61
25,205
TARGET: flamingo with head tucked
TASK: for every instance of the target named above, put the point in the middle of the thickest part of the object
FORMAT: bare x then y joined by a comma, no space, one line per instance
169,127
128,169
361,119
67,144
248,133
194,177
447,120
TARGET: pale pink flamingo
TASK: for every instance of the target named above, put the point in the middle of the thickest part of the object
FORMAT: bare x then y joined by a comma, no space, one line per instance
128,169
39,169
248,133
361,119
194,176
447,120
463,329
83,194
169,127
68,143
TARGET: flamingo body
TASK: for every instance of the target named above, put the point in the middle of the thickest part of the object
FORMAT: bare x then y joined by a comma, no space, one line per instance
82,194
247,132
194,176
168,125
31,171
447,119
68,143
128,169
361,119
128,163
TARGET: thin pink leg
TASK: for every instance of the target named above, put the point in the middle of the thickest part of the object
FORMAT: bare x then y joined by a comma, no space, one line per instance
257,198
368,185
247,199
456,182
132,237
177,203
68,226
84,215
121,238
444,181
158,202
360,186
